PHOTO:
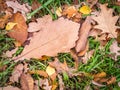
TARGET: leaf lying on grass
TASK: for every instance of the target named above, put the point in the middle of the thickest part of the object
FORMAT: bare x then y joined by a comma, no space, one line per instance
52,39
106,21
19,31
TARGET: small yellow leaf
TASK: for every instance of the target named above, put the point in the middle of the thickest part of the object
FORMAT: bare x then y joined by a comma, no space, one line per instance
85,10
59,11
10,25
50,70
17,44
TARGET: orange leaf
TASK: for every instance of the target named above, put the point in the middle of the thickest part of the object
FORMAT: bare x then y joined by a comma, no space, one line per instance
39,72
19,31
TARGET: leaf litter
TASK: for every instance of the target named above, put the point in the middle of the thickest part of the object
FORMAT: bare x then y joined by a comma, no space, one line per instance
70,33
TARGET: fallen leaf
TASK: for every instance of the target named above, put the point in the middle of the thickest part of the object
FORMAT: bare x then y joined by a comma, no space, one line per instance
46,85
114,48
35,4
26,82
106,25
100,75
87,56
9,88
3,5
40,24
57,36
25,8
19,31
98,84
3,68
60,67
61,83
59,12
50,70
10,25
83,35
69,11
18,70
92,2
75,57
4,19
112,80
85,10
81,53
39,72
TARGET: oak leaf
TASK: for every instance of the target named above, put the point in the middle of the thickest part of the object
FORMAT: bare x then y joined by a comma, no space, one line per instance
58,36
19,31
24,8
106,21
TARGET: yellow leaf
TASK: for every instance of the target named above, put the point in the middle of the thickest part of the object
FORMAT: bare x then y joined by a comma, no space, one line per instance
50,70
85,10
10,25
59,11
17,44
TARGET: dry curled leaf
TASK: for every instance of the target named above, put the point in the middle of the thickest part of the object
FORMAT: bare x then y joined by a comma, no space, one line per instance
100,75
60,67
18,70
70,11
106,21
111,80
39,72
52,39
114,48
25,8
4,17
26,82
83,34
19,31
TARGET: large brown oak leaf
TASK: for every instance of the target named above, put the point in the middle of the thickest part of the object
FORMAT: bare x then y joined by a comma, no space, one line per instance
58,36
106,21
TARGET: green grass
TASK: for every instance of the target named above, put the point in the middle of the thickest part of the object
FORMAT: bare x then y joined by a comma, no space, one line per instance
99,62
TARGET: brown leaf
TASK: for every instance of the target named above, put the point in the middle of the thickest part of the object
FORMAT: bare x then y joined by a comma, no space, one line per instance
83,34
35,4
19,31
25,8
9,88
114,48
4,18
40,24
100,75
18,70
60,67
26,82
75,57
81,53
46,85
106,21
70,11
58,36
87,56
111,81
39,72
